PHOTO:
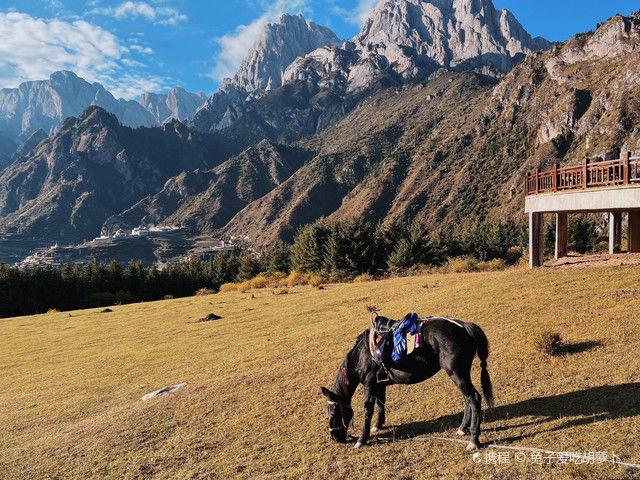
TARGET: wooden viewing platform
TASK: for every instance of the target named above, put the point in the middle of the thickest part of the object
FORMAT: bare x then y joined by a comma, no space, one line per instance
593,186
620,172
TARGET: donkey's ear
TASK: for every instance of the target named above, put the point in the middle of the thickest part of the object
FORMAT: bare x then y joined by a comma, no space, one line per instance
330,395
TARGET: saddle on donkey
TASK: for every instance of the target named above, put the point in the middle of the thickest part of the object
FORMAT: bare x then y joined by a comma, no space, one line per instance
391,340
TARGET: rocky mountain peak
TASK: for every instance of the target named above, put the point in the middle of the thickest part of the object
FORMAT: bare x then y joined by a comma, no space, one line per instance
278,45
456,34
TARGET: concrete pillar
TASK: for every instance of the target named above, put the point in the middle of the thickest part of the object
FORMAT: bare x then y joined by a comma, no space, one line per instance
615,232
536,239
562,235
634,231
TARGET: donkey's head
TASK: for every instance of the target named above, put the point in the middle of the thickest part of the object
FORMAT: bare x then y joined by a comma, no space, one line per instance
340,414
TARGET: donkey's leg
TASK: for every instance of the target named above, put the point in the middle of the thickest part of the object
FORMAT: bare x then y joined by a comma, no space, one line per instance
381,395
473,401
369,403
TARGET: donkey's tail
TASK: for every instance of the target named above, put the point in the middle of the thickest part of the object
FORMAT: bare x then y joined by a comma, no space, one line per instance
482,346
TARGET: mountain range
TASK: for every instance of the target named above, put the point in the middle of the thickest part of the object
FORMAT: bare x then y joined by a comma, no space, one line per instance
44,104
435,112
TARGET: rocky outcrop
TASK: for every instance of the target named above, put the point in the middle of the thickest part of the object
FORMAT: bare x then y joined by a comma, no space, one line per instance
404,41
177,103
278,45
261,71
413,38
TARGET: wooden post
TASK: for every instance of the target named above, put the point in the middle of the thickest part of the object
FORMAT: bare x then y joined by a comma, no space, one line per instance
585,171
555,177
634,231
562,235
615,232
536,239
625,167
537,180
527,182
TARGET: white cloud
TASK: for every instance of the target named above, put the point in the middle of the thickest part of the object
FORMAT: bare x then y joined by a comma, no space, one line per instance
130,10
32,48
359,14
131,86
140,49
235,45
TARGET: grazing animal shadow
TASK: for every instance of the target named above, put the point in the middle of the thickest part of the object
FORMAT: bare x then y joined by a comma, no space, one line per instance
591,405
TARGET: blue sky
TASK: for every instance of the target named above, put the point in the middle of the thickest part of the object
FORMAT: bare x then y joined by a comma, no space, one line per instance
133,46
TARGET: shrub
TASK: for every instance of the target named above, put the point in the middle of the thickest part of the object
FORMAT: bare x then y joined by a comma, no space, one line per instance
228,287
365,277
492,265
461,265
52,310
315,280
513,255
296,278
261,281
601,247
168,297
280,291
548,342
205,291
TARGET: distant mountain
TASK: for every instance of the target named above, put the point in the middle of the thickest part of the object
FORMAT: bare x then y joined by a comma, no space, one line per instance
449,149
404,41
455,151
276,47
92,168
177,103
205,200
44,104
414,38
262,69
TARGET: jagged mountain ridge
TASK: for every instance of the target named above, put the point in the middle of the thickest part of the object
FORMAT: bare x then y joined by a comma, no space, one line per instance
203,201
276,47
459,155
177,103
92,168
455,150
414,38
403,41
44,104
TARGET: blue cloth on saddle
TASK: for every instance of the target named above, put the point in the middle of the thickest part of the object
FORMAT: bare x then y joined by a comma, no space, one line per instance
410,325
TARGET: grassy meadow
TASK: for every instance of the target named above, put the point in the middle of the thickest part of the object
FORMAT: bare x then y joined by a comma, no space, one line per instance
70,383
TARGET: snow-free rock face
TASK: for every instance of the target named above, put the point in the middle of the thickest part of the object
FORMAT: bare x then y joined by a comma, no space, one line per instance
262,70
278,45
403,41
413,38
177,103
43,104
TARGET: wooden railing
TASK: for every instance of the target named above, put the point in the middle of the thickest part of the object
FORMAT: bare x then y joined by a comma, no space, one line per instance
610,173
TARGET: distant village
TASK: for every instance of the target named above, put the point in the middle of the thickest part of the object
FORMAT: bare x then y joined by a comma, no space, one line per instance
56,256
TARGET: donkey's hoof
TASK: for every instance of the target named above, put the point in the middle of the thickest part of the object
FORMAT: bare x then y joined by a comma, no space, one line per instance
358,444
374,429
472,447
462,432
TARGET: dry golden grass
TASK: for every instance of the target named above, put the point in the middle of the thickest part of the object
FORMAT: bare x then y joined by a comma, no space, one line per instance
70,387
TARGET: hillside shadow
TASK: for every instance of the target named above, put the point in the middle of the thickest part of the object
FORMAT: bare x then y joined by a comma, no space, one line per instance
592,405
